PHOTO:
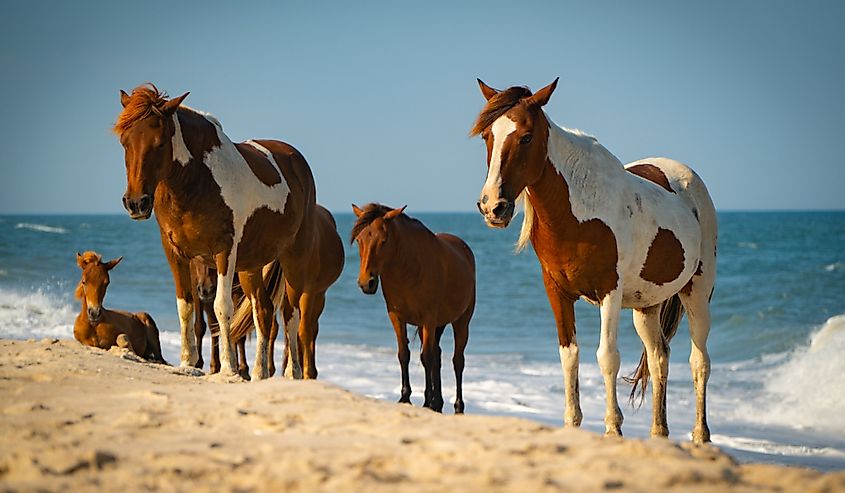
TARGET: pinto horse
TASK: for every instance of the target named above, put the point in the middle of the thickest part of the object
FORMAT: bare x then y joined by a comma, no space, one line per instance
641,236
301,300
205,280
428,280
100,327
236,206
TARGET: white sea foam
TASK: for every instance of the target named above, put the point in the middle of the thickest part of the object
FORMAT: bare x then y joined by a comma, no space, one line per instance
43,228
834,267
807,390
34,315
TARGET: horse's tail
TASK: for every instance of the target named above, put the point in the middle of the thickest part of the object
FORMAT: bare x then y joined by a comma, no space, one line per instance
671,312
274,282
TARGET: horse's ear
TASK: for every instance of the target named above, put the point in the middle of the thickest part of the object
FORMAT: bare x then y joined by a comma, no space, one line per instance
112,263
80,261
486,90
395,212
170,107
541,97
357,210
124,98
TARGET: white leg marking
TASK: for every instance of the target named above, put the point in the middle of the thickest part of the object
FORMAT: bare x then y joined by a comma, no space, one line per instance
608,357
292,331
501,128
699,361
223,308
189,356
569,362
647,323
262,346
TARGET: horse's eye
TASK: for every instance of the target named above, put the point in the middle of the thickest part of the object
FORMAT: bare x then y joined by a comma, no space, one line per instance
525,139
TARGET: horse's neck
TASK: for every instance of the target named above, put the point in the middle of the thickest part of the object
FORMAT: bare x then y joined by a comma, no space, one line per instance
405,264
578,180
199,133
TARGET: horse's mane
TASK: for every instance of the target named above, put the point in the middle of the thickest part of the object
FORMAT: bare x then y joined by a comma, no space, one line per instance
87,258
374,211
497,106
144,100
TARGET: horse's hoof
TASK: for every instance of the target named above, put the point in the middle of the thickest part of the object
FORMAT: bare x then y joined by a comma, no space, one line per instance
459,407
659,431
405,400
701,435
224,377
200,363
244,373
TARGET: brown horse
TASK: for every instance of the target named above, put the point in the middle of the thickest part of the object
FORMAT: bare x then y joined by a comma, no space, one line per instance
427,279
302,298
205,280
236,206
100,327
641,236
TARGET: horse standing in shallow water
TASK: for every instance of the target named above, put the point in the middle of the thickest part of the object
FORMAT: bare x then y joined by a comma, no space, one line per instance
99,327
428,280
205,280
236,206
641,236
301,300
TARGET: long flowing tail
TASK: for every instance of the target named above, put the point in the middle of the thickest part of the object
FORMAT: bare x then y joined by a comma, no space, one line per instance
671,312
274,282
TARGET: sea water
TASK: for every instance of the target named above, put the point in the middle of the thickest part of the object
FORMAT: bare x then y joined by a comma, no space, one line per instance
777,387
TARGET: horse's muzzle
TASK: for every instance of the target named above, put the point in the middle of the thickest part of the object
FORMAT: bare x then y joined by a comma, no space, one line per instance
500,215
206,295
139,208
94,314
369,287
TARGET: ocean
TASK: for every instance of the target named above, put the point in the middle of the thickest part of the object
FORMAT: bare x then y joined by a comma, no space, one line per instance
777,388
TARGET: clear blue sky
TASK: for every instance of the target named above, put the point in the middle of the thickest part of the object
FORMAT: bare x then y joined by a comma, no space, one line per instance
380,98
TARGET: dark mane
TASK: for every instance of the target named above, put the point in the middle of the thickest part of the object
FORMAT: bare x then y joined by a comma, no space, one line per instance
373,211
145,100
497,106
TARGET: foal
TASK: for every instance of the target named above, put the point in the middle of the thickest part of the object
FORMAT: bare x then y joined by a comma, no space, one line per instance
100,327
428,280
205,280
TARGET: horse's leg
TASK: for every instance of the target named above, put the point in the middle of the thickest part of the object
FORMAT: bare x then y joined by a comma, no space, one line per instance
184,304
223,308
697,305
243,366
312,306
404,354
292,327
287,315
152,338
252,283
461,328
274,334
608,357
647,323
436,385
199,329
563,307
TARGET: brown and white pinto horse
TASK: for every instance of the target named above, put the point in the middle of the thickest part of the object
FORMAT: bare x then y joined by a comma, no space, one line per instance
641,237
428,280
100,327
300,299
237,206
204,278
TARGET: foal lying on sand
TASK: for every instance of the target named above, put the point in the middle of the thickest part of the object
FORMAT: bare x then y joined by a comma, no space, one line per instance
100,327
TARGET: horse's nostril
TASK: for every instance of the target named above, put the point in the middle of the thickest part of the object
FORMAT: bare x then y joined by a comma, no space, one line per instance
125,202
500,208
478,204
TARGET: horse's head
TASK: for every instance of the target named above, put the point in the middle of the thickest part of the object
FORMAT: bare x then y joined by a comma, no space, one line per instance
516,131
205,278
145,128
373,233
95,280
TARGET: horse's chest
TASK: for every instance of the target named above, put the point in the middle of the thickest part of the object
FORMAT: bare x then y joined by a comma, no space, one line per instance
189,234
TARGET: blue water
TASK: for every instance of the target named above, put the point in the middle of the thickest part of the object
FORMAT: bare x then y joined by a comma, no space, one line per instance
777,390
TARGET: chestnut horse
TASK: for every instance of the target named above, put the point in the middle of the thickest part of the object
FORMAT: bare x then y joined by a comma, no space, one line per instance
301,300
641,236
236,206
205,280
428,280
100,327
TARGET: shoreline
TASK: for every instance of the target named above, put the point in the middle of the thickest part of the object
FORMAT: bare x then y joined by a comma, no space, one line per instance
79,419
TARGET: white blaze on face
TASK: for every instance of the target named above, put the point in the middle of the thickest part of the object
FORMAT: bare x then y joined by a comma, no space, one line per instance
501,129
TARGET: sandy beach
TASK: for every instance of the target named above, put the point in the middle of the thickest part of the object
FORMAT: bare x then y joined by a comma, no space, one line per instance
82,419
